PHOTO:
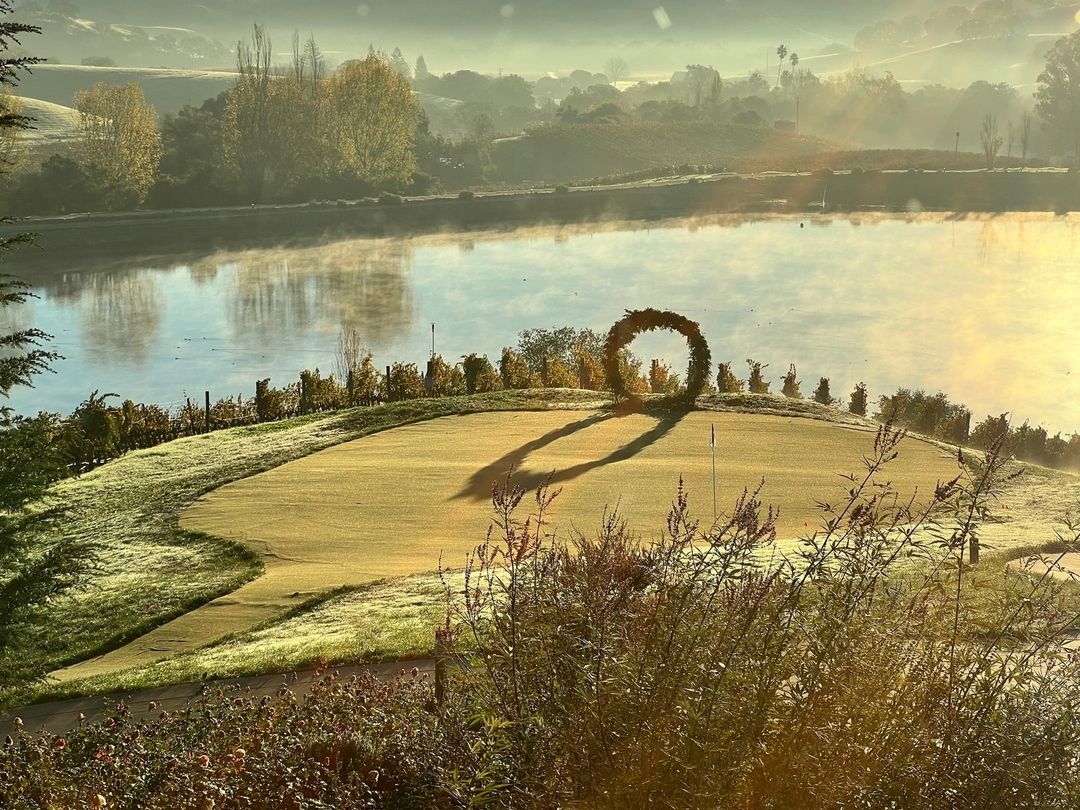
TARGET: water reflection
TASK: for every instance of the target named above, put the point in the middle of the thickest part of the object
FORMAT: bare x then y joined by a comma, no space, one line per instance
986,309
120,315
274,297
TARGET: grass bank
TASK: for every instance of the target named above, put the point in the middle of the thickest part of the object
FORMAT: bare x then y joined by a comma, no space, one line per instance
148,569
93,239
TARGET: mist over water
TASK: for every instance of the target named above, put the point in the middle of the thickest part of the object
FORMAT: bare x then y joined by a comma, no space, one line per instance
986,310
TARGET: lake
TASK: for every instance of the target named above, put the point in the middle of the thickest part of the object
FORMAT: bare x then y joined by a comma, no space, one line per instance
985,309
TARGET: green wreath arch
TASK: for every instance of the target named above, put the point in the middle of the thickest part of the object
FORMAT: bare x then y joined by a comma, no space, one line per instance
647,320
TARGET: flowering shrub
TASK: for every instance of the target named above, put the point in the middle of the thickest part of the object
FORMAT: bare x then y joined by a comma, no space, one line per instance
356,743
704,669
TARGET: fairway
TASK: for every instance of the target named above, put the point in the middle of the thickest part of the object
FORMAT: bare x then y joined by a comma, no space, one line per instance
390,504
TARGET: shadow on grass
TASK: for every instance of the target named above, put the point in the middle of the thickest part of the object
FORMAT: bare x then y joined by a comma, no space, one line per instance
667,412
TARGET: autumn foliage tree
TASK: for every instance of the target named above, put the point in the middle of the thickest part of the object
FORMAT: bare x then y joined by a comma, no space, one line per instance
300,125
375,115
119,143
726,381
756,381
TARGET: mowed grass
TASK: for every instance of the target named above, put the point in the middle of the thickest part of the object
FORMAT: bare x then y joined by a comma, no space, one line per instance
396,503
132,508
147,569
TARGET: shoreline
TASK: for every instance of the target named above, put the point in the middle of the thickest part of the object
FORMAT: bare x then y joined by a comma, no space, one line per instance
89,237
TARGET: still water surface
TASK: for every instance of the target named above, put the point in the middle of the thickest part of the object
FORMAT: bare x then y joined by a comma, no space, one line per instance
987,310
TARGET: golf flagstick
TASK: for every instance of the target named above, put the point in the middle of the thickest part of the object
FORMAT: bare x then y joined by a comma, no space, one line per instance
712,444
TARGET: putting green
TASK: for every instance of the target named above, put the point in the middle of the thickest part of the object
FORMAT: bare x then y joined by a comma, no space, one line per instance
389,504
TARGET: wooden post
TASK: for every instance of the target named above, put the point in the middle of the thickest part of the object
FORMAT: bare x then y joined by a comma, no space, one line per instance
440,665
207,411
389,392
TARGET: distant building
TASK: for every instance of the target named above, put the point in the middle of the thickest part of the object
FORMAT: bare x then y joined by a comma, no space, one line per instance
784,126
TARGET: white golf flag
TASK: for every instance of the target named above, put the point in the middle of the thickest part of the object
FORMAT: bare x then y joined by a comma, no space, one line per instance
712,437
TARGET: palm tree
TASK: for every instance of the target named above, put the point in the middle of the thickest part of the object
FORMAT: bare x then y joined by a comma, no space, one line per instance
782,53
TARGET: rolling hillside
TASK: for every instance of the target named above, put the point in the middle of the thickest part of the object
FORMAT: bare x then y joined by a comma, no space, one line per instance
53,123
573,152
167,89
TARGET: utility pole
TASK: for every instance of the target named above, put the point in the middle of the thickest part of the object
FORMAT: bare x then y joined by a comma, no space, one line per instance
956,154
433,341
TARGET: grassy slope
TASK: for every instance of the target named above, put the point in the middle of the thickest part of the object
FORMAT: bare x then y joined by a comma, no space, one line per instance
52,122
148,570
168,90
564,152
131,509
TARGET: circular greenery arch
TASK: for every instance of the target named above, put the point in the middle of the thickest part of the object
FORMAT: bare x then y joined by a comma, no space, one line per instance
647,320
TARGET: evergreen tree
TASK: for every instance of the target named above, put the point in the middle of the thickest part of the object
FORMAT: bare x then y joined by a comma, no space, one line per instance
859,399
421,71
791,384
399,65
823,394
31,571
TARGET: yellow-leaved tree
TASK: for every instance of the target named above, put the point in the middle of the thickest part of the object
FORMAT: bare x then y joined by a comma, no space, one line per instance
375,114
119,143
12,149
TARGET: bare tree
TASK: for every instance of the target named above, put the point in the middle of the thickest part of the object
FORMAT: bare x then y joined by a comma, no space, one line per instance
1008,145
616,69
1025,139
350,351
991,140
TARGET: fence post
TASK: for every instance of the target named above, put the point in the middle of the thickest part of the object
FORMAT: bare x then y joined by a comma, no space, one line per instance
389,390
440,665
207,411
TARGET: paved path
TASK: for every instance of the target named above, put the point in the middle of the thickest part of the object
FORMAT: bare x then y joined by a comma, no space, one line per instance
1065,568
61,716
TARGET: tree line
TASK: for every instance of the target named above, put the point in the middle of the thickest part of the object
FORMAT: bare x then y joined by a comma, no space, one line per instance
295,133
302,131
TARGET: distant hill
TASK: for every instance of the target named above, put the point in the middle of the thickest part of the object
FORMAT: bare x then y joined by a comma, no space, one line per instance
167,90
53,123
562,153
